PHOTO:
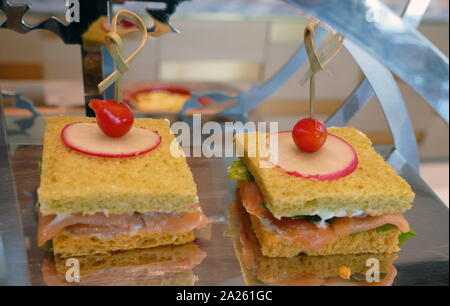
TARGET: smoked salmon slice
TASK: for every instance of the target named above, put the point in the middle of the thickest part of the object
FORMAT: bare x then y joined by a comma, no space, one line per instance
348,226
307,234
51,225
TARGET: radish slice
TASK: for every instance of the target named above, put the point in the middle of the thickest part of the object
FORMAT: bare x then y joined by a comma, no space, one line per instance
334,160
87,138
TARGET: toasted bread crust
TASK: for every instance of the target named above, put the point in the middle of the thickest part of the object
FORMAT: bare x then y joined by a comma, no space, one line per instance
67,245
73,182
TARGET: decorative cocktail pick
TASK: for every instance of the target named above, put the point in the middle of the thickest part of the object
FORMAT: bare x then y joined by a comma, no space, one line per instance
321,156
115,118
318,59
310,134
115,47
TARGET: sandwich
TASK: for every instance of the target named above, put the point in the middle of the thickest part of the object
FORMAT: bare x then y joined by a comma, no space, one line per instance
169,265
108,201
355,208
302,270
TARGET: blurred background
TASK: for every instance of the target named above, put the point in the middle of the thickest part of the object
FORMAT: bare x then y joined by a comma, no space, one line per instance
223,46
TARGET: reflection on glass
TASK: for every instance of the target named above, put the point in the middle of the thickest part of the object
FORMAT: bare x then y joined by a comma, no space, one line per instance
92,41
162,98
161,266
302,270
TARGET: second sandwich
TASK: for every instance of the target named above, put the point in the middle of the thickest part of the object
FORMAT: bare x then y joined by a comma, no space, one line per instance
353,205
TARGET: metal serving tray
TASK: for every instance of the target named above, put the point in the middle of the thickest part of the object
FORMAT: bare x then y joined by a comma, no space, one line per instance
423,260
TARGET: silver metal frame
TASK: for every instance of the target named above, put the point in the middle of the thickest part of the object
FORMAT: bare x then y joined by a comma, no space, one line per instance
388,39
13,260
380,79
379,45
371,41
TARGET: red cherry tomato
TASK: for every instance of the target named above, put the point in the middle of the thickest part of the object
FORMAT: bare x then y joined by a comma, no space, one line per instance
127,24
205,101
309,134
114,119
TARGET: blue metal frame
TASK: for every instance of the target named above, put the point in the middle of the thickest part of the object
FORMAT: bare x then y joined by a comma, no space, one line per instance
246,101
379,46
394,43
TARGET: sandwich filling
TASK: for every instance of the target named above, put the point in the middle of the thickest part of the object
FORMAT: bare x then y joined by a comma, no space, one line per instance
311,232
307,233
109,226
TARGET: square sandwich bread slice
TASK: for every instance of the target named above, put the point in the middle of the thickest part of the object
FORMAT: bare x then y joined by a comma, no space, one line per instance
94,205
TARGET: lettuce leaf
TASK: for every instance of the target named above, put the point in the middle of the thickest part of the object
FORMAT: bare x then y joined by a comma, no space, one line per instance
355,234
37,205
48,246
264,205
40,164
379,230
403,237
385,228
312,219
238,171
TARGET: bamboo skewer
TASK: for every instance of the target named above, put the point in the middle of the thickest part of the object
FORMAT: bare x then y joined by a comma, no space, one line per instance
312,97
